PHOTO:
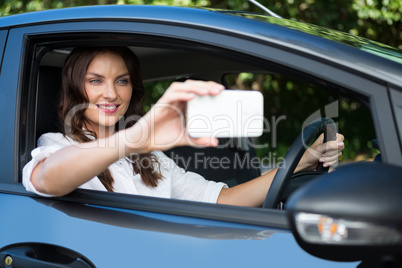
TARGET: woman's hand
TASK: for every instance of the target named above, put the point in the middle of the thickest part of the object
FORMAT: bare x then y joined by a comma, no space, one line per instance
319,152
163,126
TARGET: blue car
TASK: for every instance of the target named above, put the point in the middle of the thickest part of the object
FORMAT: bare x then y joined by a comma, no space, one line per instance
350,217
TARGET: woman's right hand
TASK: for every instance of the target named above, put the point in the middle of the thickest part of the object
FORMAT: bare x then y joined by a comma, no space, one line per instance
163,126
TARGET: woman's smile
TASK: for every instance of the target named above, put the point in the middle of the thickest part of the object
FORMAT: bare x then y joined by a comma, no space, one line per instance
108,108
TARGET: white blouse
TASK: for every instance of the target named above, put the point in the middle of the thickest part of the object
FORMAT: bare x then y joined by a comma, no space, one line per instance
176,183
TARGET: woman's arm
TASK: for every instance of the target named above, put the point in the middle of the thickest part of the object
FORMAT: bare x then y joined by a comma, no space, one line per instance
253,193
161,128
248,194
72,166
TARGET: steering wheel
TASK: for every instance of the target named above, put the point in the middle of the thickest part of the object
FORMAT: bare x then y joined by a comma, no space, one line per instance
293,156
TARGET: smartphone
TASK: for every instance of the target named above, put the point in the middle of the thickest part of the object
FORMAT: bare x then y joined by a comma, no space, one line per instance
231,113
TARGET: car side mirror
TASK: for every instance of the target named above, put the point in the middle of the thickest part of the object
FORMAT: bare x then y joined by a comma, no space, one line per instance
351,214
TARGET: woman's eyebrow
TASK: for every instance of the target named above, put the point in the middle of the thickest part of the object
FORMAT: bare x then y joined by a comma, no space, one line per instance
95,74
122,75
102,76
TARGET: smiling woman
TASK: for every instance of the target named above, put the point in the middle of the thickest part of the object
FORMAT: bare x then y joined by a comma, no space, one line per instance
102,94
107,83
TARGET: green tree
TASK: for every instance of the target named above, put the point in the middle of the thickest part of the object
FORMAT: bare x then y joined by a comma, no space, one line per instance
379,20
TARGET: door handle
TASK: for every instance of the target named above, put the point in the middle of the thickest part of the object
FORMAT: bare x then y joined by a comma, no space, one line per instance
40,255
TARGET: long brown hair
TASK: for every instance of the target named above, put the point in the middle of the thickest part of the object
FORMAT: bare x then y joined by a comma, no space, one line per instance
74,102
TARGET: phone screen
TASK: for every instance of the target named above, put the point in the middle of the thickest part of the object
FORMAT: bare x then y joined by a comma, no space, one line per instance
232,113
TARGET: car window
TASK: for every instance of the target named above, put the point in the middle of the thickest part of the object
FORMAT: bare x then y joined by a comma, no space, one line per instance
290,102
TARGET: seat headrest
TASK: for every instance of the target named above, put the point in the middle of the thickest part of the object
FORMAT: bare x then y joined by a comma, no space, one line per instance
49,86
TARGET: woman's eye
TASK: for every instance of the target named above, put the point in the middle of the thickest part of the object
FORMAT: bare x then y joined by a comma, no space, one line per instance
94,81
122,82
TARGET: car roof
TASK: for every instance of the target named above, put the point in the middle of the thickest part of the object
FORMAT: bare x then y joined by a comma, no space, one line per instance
357,54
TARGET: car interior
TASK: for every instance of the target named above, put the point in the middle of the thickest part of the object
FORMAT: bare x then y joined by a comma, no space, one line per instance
171,61
49,85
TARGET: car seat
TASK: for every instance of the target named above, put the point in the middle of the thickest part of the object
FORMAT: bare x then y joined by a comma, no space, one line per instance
49,85
232,164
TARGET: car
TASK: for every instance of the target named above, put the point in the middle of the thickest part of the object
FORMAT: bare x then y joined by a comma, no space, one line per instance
313,79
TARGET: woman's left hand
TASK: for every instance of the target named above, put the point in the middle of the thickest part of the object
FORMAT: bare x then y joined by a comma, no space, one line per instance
319,152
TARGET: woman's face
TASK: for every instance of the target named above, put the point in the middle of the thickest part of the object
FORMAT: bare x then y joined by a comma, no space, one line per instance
108,87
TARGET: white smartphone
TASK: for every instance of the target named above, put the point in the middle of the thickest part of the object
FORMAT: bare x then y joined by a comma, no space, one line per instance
232,113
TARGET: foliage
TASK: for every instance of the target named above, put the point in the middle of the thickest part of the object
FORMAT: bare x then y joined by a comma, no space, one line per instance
379,20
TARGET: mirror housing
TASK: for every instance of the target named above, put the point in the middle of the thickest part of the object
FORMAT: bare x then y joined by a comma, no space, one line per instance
351,214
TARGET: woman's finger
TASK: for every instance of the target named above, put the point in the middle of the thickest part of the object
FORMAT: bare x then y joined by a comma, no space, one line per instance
340,137
207,87
197,87
177,97
328,164
202,142
330,147
330,159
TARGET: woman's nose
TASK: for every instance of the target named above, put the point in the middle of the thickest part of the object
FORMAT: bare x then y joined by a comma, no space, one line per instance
109,92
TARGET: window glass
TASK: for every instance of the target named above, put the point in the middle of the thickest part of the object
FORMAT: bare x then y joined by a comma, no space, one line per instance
289,104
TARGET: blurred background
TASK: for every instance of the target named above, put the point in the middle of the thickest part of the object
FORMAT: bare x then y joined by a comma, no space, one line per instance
379,20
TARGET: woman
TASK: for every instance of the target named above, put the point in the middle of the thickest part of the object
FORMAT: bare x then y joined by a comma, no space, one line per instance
107,145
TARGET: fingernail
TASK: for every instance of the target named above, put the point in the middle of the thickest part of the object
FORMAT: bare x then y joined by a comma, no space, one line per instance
340,144
322,160
214,142
219,87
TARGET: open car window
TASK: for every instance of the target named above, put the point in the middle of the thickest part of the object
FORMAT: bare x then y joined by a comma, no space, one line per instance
291,100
